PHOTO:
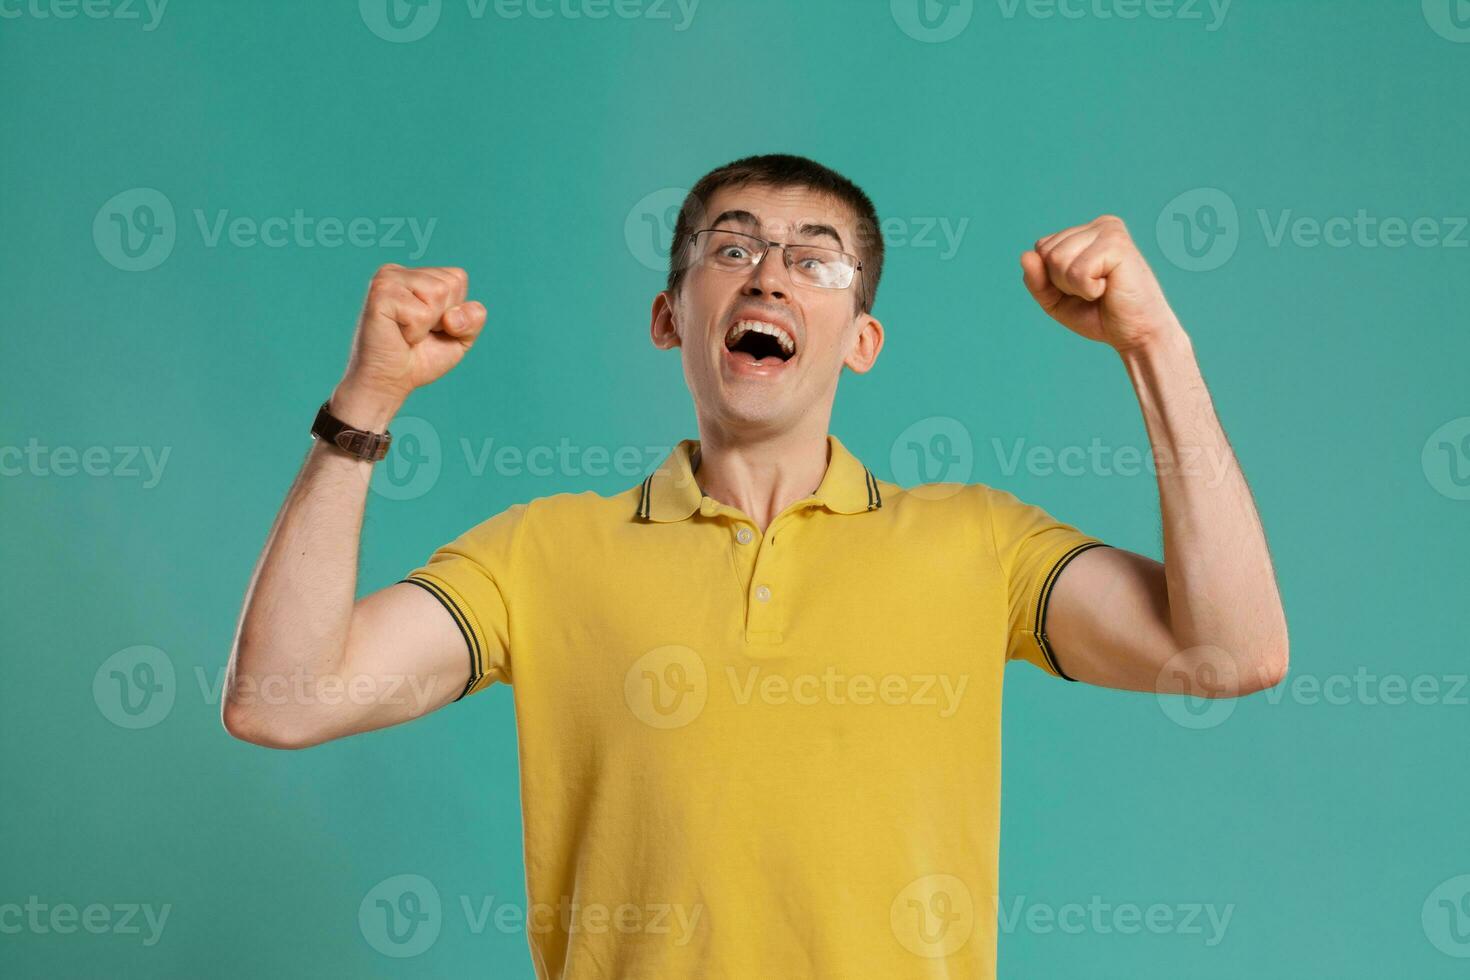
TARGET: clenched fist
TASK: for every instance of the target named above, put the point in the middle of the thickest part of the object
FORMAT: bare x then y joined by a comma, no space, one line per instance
415,326
1093,280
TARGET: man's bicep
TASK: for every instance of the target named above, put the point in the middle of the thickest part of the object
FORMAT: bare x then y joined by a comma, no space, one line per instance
1107,620
469,579
406,655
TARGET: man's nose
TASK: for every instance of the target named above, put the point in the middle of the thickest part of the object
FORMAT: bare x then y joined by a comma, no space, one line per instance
769,276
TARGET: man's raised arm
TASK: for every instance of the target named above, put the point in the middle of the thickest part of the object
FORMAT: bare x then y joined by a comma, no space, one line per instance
310,664
1208,621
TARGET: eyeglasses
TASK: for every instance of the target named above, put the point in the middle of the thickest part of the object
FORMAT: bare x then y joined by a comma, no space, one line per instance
810,265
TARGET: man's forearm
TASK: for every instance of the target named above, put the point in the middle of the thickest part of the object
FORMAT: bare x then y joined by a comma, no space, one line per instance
299,604
1222,589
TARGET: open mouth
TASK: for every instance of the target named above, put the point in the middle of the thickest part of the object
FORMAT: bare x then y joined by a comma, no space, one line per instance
760,341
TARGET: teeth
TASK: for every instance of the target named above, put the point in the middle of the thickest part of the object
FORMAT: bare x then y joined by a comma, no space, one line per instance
743,327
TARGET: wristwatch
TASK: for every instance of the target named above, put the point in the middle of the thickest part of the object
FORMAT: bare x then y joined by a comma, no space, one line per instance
370,446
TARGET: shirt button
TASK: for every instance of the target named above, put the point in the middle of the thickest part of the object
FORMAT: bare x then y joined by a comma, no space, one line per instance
744,535
763,593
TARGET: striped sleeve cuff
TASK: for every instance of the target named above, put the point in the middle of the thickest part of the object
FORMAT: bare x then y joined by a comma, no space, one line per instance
467,626
1043,599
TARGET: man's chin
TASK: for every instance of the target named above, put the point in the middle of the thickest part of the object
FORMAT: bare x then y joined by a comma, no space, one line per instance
752,417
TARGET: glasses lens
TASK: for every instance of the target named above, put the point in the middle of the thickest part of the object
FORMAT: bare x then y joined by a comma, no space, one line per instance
728,249
823,267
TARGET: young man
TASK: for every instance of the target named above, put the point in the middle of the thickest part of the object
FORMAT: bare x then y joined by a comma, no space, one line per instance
758,695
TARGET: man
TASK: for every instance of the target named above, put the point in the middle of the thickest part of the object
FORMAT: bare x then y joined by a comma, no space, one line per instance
758,695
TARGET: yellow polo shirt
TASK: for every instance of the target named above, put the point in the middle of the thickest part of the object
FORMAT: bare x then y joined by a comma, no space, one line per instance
750,755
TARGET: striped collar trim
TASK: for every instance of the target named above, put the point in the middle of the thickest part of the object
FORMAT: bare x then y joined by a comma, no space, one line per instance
671,493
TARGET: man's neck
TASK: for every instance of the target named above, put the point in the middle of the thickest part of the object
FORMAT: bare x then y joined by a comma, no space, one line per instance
761,478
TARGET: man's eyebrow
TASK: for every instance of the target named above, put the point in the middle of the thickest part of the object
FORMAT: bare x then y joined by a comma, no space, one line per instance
812,231
805,231
739,217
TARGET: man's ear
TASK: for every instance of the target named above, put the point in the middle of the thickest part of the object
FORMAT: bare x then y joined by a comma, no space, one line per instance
866,345
663,329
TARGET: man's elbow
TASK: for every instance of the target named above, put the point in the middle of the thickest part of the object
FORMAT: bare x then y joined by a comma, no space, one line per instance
1268,667
263,729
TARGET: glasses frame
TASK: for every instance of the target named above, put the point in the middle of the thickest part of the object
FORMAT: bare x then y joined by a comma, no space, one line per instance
766,246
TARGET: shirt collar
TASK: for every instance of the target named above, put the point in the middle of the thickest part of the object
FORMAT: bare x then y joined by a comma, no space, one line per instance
671,493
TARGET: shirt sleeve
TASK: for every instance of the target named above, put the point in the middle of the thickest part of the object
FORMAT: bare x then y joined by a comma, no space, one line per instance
1032,547
469,576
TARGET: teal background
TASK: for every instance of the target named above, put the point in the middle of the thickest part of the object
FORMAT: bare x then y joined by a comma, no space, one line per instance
532,142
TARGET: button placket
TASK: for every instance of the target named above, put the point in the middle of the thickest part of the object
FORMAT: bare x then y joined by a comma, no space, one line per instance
743,557
751,556
764,616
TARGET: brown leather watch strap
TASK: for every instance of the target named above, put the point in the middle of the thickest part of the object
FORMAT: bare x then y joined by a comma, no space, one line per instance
369,446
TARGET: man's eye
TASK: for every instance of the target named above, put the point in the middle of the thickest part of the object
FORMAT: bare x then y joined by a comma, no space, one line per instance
733,251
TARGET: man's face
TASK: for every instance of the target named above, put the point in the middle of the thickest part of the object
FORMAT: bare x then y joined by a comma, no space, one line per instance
751,389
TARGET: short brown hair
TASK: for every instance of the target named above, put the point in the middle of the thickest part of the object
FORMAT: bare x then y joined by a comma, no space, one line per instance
785,170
